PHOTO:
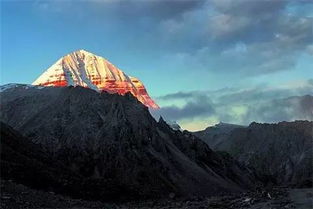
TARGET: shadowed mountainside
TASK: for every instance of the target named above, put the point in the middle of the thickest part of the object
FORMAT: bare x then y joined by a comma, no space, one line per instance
116,146
28,164
217,136
282,151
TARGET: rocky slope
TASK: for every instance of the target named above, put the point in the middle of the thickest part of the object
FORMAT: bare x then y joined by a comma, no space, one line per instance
282,152
117,148
82,68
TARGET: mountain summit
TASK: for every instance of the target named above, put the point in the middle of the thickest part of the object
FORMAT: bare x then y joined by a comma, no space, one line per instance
82,68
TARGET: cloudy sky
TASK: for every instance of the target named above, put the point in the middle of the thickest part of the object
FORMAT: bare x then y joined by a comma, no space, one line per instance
203,61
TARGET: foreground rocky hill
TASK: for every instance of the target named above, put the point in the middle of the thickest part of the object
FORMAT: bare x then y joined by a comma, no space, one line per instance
282,152
114,146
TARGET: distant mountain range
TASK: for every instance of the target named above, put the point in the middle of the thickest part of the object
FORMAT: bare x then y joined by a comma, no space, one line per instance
112,145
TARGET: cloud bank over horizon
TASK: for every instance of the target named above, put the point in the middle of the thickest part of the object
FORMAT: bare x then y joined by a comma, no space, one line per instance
199,109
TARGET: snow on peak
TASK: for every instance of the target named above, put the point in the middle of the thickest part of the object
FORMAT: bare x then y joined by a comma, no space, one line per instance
16,85
174,125
82,68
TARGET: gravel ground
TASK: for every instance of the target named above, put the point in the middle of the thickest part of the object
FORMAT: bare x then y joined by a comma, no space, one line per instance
302,198
15,196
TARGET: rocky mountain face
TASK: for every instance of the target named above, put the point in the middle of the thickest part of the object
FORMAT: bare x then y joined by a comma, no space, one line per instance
217,136
282,151
114,146
82,68
28,164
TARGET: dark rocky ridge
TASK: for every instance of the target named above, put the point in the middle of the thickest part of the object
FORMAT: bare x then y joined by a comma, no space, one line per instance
282,152
116,147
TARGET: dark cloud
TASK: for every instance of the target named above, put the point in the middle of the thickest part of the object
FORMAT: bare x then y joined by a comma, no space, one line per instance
287,109
258,21
242,19
250,37
265,93
257,93
131,11
197,94
201,105
178,95
136,10
249,7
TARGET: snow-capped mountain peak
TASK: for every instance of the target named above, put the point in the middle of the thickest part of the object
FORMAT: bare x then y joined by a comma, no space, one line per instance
82,68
